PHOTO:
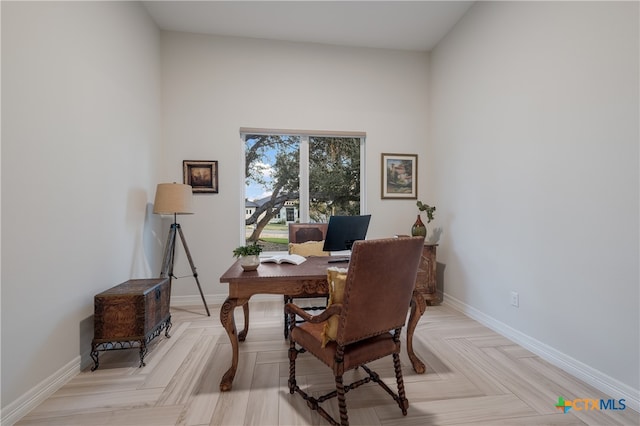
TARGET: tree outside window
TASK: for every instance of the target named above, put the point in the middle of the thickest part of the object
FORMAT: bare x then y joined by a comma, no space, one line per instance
273,171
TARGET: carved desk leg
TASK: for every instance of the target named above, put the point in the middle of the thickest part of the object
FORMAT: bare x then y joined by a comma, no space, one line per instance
243,334
229,324
418,306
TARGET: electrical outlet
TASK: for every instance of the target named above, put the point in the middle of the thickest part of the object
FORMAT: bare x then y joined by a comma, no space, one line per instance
515,299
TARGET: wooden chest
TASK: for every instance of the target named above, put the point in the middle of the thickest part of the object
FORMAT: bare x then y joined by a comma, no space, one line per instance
131,314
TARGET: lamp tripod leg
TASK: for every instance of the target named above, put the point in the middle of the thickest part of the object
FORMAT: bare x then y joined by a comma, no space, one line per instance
169,251
193,267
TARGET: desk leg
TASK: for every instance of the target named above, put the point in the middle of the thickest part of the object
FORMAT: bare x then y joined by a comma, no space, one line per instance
243,334
229,324
418,306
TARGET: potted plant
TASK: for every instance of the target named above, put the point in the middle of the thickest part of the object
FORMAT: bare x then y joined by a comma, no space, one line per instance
249,256
419,228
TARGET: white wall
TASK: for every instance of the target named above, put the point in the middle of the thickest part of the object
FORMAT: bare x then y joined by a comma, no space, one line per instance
534,127
80,161
532,162
212,86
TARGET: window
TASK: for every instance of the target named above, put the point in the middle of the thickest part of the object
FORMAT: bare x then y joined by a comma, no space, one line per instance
299,177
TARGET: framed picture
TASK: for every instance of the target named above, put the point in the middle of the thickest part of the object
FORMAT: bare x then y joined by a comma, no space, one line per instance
400,176
201,175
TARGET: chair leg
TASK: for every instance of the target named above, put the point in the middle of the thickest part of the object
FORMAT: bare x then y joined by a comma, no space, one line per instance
286,326
403,403
287,299
293,354
342,403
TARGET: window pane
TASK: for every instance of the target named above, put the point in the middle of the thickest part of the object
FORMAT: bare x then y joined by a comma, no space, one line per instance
271,188
334,177
274,170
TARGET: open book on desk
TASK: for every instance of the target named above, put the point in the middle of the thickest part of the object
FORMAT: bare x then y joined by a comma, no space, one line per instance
294,259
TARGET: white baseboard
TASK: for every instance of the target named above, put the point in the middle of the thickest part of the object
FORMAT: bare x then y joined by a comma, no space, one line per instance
195,300
217,299
589,375
19,408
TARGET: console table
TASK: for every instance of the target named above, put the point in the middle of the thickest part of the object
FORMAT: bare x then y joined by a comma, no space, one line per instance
131,314
426,280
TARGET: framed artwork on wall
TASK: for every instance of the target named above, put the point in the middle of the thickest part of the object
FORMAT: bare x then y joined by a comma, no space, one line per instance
400,176
201,175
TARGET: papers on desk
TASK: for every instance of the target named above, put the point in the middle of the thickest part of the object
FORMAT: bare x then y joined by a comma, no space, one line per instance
342,256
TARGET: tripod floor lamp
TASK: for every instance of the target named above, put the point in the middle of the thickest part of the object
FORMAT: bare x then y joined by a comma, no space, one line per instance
175,199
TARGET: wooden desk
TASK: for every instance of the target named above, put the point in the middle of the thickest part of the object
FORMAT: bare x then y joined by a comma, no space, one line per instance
270,278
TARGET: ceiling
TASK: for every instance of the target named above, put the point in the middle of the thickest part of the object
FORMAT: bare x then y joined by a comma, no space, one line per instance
406,25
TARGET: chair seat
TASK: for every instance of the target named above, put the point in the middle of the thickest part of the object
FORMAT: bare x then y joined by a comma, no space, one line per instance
308,335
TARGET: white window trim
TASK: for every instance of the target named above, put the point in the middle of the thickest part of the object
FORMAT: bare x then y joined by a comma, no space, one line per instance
304,165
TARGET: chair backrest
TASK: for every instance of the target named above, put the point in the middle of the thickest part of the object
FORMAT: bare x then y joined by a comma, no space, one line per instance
303,232
379,285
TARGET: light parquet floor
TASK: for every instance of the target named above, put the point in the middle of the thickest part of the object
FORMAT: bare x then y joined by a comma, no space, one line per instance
474,377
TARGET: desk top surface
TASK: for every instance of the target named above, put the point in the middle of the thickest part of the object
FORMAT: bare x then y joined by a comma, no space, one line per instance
313,268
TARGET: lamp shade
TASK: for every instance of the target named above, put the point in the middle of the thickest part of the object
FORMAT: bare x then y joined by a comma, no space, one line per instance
173,198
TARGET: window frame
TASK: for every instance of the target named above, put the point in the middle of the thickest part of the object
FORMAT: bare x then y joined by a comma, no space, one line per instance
304,135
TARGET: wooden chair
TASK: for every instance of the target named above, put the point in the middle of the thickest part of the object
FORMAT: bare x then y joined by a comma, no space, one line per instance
303,232
377,294
300,233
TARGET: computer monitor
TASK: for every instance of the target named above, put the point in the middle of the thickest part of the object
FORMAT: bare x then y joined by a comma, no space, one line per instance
343,231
